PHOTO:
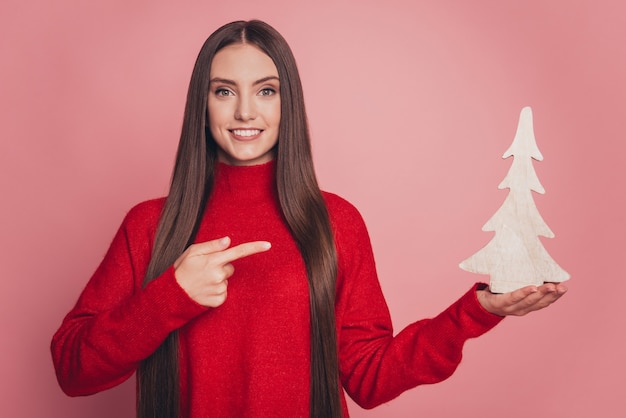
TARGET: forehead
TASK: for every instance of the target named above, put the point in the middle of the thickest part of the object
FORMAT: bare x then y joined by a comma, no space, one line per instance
242,62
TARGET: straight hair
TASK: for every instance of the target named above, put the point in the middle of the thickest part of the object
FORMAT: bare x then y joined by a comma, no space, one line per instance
301,203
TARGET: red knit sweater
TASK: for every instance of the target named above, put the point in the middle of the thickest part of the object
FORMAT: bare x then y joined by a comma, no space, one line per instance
250,356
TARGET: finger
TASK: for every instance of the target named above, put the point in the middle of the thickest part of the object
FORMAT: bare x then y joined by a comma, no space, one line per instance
545,296
556,293
243,250
521,301
540,304
560,288
547,288
219,275
521,294
221,289
209,247
215,300
229,270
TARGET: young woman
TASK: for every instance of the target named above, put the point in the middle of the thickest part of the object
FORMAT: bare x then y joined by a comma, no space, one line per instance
248,291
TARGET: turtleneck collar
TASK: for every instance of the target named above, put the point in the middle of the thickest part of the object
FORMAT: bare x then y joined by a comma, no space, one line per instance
251,181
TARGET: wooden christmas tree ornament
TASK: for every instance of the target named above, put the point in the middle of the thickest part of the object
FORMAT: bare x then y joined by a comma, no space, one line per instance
515,256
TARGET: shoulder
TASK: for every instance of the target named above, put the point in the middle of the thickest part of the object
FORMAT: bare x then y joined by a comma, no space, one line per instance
355,259
345,218
339,208
135,234
144,215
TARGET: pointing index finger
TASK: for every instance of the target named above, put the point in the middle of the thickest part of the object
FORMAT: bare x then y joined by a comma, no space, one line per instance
244,250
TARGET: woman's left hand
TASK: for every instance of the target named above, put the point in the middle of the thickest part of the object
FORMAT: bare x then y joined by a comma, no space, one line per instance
521,301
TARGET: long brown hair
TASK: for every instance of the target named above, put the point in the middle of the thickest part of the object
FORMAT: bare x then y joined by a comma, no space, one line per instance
302,206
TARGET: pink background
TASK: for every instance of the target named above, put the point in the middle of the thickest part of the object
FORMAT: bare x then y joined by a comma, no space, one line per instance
411,105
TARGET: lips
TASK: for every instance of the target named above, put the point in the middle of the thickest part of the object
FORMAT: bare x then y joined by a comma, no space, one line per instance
246,133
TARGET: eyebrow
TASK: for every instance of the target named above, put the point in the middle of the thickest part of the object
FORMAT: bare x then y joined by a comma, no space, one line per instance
233,83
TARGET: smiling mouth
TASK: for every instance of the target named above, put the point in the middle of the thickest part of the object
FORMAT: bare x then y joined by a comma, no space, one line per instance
246,133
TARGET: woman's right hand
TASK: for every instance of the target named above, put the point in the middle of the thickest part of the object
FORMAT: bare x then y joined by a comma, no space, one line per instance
203,269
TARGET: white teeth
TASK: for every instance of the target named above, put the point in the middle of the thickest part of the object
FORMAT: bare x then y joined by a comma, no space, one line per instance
246,132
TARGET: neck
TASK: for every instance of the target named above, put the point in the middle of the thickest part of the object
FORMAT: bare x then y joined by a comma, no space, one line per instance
248,182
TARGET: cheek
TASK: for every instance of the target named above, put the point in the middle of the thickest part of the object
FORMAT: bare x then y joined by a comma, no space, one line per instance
215,118
276,115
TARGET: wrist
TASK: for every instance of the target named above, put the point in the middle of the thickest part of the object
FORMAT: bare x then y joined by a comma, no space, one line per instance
484,296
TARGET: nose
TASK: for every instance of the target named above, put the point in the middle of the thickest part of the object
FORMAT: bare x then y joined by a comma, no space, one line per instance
246,109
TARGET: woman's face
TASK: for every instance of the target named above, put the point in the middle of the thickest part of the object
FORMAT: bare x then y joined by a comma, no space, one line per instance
244,105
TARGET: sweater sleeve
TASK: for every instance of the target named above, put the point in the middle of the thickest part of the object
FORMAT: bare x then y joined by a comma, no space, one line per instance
375,366
116,322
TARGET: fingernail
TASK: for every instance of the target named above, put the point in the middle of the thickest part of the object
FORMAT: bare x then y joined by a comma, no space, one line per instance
224,241
266,245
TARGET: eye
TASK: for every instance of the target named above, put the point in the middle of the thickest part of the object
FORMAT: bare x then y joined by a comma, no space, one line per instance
267,92
223,92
